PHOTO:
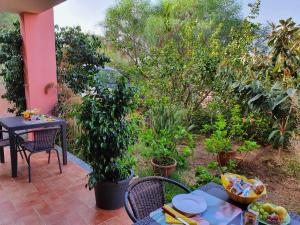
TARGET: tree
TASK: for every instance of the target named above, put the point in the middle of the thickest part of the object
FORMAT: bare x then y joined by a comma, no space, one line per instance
283,40
11,69
7,20
174,46
78,57
124,27
269,82
135,26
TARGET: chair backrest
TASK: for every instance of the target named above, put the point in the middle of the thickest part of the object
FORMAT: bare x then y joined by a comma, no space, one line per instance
44,139
146,195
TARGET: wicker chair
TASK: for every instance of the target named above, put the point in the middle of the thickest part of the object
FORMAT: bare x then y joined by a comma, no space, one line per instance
43,141
147,194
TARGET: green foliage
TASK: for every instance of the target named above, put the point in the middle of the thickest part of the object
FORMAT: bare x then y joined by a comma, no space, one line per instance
11,69
219,140
213,171
236,126
107,132
222,135
164,132
204,176
7,20
259,127
279,102
124,25
271,85
231,166
174,46
283,41
166,117
78,57
247,146
164,144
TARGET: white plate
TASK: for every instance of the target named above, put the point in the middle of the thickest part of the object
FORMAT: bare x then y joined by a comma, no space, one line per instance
189,203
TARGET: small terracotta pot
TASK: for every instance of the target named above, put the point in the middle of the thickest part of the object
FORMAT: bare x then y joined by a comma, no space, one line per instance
164,171
224,157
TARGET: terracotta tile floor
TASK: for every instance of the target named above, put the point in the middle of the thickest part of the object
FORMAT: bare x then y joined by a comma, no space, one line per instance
51,198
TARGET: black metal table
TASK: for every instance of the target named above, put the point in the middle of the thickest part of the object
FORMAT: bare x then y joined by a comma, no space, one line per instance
17,123
219,192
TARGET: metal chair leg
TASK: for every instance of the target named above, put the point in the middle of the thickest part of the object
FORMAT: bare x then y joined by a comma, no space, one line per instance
24,151
21,154
2,160
29,167
58,160
49,155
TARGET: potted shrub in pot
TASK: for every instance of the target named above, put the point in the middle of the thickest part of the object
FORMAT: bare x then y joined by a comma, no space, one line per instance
163,152
220,143
106,135
161,156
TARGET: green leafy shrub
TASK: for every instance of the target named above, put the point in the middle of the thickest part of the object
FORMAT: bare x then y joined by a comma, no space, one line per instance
236,125
259,127
163,145
278,102
163,131
166,117
272,84
247,146
107,132
212,172
11,69
219,140
204,176
78,57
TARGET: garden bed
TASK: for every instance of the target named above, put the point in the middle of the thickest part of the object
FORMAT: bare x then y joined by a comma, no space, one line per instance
283,181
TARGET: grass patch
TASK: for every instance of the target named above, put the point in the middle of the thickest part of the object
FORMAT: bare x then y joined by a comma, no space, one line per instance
292,168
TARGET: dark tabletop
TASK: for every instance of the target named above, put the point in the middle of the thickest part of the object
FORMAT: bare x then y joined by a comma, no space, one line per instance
219,192
18,123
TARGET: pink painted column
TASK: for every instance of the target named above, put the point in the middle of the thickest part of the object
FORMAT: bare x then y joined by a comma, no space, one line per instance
39,60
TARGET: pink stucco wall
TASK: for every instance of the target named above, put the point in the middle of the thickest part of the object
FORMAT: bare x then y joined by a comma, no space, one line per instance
39,58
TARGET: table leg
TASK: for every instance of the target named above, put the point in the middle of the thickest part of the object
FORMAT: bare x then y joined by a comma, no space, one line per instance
13,154
1,148
64,142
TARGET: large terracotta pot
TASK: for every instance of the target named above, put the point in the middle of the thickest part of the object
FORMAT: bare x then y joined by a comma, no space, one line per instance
224,157
110,195
164,170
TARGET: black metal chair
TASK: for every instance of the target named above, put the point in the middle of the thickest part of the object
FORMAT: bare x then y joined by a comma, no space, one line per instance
43,141
145,195
4,142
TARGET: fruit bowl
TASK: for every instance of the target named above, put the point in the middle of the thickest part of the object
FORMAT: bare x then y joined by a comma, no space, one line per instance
270,214
225,178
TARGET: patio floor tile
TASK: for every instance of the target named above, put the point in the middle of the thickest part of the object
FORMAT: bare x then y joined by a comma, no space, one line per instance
51,198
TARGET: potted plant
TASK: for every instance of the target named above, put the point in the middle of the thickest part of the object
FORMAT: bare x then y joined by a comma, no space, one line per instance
106,135
220,143
162,149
